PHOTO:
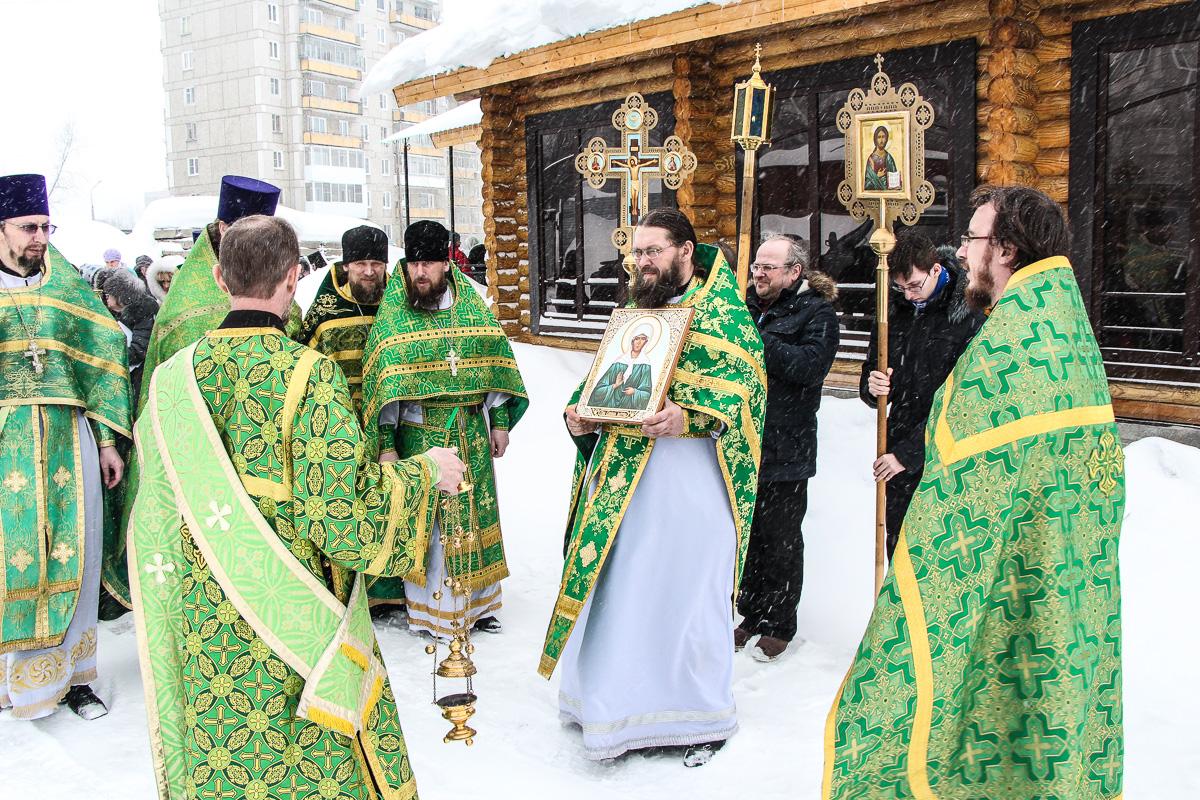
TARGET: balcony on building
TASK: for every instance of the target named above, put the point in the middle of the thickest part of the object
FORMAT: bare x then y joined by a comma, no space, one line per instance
330,104
327,56
329,32
412,14
349,5
332,139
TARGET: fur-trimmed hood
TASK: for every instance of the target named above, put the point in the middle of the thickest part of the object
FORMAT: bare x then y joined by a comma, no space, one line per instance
816,281
169,264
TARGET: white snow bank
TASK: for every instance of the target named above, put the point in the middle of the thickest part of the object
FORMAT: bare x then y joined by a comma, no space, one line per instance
83,241
474,33
523,751
196,211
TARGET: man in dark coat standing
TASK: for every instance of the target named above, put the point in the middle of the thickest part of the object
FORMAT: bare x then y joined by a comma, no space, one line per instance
927,334
793,308
131,304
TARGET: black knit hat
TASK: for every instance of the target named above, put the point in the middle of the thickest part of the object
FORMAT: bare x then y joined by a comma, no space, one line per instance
426,240
364,243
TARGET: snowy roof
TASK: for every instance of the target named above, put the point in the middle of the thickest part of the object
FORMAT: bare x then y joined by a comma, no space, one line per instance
462,116
473,34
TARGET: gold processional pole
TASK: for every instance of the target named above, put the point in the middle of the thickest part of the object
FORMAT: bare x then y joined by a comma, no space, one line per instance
752,117
885,180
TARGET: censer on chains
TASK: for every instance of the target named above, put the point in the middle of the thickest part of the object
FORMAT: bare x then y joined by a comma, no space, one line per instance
458,707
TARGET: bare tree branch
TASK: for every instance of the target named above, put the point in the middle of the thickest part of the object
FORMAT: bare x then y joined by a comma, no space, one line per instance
66,145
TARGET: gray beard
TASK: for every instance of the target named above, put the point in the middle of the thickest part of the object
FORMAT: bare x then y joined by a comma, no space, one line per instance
367,297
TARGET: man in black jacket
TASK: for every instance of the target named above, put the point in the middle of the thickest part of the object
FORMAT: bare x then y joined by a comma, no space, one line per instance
132,306
794,312
927,334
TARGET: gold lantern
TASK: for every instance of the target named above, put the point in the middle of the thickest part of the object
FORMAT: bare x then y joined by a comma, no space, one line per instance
752,116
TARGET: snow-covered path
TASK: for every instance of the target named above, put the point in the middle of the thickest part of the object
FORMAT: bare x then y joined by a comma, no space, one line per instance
523,751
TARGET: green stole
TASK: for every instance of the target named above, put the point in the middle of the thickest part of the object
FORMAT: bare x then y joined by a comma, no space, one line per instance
188,478
992,663
337,325
194,306
82,351
721,376
408,360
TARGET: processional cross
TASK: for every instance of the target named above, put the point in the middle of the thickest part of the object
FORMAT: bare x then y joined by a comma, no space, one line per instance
634,164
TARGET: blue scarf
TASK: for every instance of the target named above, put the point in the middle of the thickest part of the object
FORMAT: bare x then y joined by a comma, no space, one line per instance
943,279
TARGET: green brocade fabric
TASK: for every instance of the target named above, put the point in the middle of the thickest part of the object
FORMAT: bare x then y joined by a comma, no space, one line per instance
194,306
720,378
256,510
408,360
337,326
82,351
991,667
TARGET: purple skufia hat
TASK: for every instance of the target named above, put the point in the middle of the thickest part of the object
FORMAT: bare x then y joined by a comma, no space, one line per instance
242,197
23,196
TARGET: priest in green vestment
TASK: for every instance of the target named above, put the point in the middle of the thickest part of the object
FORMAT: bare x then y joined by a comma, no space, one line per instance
659,523
991,667
439,371
194,306
340,317
64,400
259,514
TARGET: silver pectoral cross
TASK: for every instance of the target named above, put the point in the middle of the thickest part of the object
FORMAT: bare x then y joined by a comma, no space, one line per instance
34,354
452,360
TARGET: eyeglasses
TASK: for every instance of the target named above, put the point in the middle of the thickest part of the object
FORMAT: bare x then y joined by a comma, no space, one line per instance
650,252
764,268
913,287
966,238
31,228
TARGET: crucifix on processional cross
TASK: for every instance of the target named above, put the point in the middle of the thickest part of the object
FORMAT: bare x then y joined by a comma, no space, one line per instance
634,164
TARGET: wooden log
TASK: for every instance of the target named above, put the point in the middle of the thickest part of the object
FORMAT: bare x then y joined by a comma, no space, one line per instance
727,227
1053,134
983,85
1058,20
1008,90
506,228
1010,61
1022,9
1009,173
1013,147
1007,119
1011,32
1053,162
1054,105
1054,76
1054,48
1055,188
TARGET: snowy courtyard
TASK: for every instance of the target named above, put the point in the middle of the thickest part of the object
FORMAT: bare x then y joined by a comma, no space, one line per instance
523,751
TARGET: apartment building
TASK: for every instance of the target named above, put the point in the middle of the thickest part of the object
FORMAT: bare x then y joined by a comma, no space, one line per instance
272,89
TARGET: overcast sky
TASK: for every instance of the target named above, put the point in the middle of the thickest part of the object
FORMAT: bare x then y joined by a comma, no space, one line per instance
93,66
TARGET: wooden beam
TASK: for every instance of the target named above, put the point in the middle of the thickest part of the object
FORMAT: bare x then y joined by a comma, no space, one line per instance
690,25
456,137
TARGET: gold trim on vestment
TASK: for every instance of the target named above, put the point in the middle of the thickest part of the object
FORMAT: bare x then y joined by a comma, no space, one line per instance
103,320
253,330
1037,268
918,634
345,355
170,327
341,322
291,401
78,355
729,387
725,346
431,333
265,487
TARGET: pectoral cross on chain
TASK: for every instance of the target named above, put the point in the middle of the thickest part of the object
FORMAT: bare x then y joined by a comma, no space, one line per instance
34,354
452,360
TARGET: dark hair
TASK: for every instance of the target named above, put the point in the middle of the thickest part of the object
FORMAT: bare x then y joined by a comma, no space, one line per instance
885,130
913,251
1027,221
256,253
678,227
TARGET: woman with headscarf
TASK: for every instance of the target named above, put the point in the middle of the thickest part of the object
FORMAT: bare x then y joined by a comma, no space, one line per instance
160,274
627,382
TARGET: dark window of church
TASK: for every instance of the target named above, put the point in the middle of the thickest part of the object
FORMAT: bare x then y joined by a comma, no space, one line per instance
798,175
1134,184
576,277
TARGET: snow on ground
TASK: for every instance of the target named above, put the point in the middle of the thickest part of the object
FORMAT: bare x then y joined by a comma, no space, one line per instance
473,33
523,751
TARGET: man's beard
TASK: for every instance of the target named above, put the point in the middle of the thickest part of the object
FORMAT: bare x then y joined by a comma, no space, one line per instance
980,285
656,294
426,299
367,294
31,259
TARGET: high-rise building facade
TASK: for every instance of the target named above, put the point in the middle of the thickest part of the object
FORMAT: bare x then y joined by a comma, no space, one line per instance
272,89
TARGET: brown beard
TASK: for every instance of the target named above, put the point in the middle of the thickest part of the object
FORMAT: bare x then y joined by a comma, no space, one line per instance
979,291
426,300
367,296
656,295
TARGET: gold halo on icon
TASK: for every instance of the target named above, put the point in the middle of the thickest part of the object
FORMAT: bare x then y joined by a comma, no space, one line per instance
656,328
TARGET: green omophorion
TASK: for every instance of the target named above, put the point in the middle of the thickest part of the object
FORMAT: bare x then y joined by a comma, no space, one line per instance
720,381
258,508
447,361
992,664
82,353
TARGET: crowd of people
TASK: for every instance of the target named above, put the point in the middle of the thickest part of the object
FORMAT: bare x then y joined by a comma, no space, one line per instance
296,473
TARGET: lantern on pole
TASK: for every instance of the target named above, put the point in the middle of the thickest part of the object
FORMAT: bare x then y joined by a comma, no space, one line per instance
752,117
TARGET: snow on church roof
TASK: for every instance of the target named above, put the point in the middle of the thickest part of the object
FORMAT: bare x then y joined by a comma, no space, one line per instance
474,33
458,117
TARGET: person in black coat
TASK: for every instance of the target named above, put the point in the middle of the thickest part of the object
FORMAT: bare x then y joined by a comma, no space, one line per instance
928,331
793,308
130,303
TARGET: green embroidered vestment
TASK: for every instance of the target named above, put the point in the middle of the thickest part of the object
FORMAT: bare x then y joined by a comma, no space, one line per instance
337,325
82,352
992,663
261,669
409,360
720,379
